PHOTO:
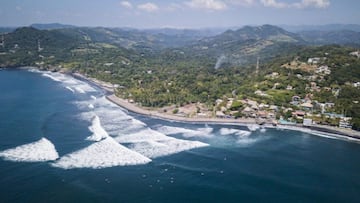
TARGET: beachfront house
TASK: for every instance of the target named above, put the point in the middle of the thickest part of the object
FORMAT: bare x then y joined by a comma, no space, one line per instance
299,114
345,122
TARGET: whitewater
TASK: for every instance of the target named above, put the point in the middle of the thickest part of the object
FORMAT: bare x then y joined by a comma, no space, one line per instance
110,128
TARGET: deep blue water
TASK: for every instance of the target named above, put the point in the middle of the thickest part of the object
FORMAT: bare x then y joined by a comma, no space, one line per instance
237,165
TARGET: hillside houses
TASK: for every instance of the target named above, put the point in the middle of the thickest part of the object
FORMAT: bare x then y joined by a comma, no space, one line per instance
323,70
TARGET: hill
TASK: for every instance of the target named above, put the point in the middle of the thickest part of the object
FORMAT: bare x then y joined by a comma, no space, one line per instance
245,45
348,37
50,26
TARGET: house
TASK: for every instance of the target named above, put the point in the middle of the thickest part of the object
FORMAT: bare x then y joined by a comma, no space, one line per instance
253,104
307,106
219,101
248,112
220,114
345,122
307,122
314,60
329,104
273,75
274,108
271,115
323,70
263,106
262,114
299,114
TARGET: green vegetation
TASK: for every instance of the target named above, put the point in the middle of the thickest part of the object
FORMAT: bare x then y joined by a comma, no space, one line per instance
156,75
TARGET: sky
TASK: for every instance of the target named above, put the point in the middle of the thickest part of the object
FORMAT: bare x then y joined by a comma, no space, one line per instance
178,13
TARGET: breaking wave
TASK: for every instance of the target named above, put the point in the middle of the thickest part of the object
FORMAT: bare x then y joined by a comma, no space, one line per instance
228,131
98,131
199,132
69,82
102,154
39,151
70,89
153,149
253,127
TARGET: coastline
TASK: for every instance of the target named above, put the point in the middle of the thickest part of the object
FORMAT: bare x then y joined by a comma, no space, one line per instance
155,114
324,131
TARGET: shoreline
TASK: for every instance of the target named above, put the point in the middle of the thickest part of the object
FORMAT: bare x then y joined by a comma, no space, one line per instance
315,130
334,132
343,134
155,114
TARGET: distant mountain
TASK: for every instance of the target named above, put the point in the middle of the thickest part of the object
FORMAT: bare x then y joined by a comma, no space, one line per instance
329,27
50,26
7,29
331,37
265,32
132,38
205,32
244,45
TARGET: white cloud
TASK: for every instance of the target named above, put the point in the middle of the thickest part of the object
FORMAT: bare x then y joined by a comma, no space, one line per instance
274,4
312,3
126,4
207,4
241,2
149,7
301,4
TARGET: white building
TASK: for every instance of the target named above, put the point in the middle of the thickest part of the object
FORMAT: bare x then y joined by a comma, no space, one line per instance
323,70
345,122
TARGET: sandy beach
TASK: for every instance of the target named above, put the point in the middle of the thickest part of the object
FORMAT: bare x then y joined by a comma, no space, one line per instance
134,108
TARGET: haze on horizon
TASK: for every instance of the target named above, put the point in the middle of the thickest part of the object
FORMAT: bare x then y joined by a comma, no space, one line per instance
179,13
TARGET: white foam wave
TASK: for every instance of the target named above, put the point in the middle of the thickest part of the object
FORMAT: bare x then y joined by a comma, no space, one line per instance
42,150
103,154
32,69
69,88
199,132
51,77
113,119
155,149
69,82
128,130
141,135
253,127
80,90
93,97
98,131
228,131
91,106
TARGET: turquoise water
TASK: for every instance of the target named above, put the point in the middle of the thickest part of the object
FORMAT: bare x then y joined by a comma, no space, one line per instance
141,159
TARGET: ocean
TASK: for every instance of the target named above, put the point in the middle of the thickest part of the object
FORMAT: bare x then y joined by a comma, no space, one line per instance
62,141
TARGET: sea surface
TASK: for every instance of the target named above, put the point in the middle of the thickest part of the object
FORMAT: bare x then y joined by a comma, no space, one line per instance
62,141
